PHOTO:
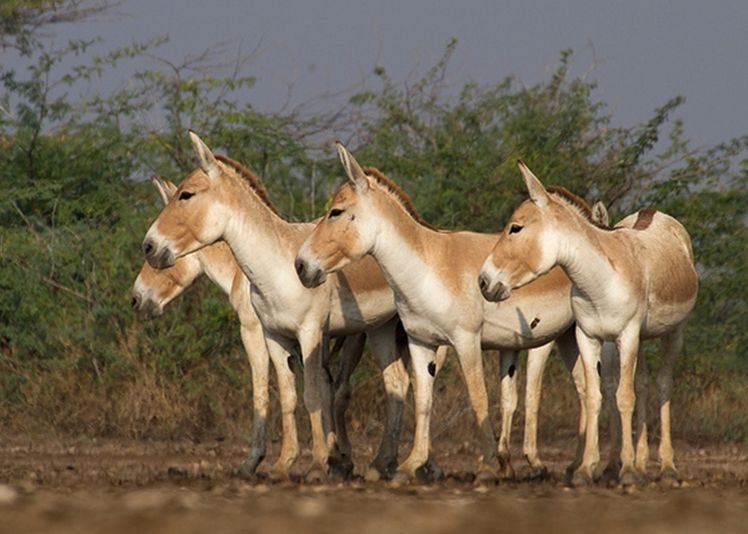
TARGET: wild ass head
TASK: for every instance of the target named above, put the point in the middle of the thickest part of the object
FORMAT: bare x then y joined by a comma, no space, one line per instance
154,289
201,209
530,244
347,232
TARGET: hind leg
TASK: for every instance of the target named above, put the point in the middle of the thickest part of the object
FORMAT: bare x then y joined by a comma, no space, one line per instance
568,350
536,360
610,370
672,344
508,407
351,351
279,355
641,386
259,362
396,384
423,367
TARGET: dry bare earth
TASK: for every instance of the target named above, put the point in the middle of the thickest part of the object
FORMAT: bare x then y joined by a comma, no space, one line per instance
119,486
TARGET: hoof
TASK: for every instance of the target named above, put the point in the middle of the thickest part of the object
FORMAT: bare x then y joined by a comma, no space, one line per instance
401,478
486,475
535,473
340,469
248,469
610,475
246,472
279,473
631,477
373,475
506,472
429,472
316,475
377,472
669,478
581,480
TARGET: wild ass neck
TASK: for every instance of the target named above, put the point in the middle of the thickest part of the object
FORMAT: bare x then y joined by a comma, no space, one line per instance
402,249
582,255
263,243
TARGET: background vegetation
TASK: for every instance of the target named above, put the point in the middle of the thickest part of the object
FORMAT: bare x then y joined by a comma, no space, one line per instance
74,208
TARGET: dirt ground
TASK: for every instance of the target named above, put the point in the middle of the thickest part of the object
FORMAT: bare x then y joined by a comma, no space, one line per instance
116,486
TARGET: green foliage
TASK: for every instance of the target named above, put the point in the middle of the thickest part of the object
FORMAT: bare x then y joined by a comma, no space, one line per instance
75,208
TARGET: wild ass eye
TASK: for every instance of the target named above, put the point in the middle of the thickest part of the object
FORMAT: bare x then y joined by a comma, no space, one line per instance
515,228
185,195
335,212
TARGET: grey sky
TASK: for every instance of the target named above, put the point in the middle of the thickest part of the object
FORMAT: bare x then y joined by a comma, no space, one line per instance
643,52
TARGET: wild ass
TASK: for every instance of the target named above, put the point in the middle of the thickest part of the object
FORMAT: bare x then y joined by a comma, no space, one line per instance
633,282
154,289
222,200
433,274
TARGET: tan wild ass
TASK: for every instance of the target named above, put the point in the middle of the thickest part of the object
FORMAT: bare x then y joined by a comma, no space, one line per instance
433,274
635,281
222,200
154,289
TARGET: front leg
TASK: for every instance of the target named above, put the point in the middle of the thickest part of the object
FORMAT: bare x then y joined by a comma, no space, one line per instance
590,349
423,368
259,362
352,348
508,386
469,353
384,348
628,349
279,349
536,360
610,368
568,350
317,399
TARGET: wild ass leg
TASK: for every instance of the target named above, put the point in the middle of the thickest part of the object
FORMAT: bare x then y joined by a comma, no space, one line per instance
318,402
641,386
610,368
259,362
423,367
672,345
279,351
352,349
568,350
536,360
396,382
508,387
590,349
469,353
628,350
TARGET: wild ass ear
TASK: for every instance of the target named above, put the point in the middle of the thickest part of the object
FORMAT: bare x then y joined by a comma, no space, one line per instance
204,156
166,187
537,191
600,214
355,173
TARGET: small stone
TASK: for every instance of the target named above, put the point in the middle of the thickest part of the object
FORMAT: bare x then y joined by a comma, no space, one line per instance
310,508
8,495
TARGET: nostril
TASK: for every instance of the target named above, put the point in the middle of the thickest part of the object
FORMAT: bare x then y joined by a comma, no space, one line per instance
134,302
482,282
299,265
147,248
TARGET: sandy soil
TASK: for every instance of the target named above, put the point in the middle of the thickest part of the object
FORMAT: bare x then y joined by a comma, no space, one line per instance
118,486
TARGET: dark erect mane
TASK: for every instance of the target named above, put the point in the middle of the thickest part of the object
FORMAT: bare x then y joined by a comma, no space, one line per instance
576,202
401,196
251,179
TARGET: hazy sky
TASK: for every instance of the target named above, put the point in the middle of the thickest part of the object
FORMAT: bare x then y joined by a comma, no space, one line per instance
640,52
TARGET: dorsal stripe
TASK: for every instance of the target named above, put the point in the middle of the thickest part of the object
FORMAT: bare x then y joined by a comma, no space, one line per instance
644,219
